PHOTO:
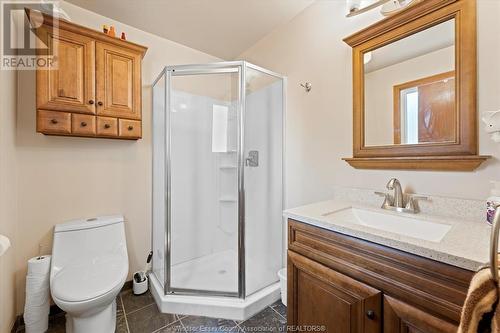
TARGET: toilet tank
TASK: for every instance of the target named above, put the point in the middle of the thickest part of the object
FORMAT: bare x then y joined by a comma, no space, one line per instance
89,241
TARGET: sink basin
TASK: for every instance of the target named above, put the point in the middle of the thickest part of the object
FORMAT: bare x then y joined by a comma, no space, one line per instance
398,224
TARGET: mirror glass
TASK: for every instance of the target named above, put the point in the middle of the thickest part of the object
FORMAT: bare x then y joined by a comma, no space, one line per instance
409,89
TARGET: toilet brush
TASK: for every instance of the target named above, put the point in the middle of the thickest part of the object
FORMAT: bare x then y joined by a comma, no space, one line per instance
140,279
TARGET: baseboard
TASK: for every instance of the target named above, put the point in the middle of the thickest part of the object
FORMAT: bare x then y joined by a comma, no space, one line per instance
55,310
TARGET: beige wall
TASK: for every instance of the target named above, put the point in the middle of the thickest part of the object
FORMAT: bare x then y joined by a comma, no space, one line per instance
8,197
319,123
61,178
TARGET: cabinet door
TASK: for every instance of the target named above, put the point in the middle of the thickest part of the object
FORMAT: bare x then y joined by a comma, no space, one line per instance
400,317
70,84
118,86
318,295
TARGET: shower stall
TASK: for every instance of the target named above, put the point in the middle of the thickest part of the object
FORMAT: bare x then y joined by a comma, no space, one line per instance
218,188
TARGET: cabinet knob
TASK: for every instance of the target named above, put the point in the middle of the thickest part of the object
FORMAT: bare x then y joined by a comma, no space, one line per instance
54,121
100,103
130,127
83,124
107,125
370,314
91,102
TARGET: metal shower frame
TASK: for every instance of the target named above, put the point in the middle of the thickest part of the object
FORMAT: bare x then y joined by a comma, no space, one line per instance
239,67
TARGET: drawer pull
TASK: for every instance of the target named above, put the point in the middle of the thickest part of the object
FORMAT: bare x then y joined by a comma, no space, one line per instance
54,121
91,102
99,103
370,314
107,125
83,124
130,127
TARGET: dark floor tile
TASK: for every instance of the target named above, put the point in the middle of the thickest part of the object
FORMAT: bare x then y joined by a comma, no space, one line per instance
265,321
148,319
57,324
133,303
173,328
119,306
279,307
205,324
121,325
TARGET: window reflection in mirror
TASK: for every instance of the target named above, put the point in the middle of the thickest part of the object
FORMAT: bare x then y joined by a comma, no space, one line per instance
409,88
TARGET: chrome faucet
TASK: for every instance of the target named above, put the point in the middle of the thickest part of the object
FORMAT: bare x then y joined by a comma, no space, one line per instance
397,200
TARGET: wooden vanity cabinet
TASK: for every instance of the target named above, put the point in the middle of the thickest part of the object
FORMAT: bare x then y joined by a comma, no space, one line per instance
351,285
93,75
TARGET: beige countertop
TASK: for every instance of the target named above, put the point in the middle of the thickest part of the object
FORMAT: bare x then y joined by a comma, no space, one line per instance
465,245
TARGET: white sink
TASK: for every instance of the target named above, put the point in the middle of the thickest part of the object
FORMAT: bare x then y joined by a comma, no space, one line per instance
398,224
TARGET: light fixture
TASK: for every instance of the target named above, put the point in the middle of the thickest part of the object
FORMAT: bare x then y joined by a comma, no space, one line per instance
355,8
389,7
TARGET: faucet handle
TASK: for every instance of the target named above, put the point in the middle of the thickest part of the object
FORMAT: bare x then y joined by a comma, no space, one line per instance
387,198
410,204
418,197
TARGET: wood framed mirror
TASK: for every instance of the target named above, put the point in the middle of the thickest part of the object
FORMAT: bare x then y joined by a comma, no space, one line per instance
414,89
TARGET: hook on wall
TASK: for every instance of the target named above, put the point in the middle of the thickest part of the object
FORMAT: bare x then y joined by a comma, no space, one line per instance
307,86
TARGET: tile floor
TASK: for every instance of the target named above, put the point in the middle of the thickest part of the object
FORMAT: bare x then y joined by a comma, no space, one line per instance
139,314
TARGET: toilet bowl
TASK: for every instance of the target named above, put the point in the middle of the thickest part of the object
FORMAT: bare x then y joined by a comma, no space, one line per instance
88,269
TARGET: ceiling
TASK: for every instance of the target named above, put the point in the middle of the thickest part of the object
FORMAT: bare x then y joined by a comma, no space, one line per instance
222,28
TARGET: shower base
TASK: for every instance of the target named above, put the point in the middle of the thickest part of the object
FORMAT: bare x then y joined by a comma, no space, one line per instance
196,273
214,272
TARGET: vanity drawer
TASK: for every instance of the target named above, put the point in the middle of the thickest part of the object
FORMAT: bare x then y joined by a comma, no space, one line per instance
82,124
53,122
129,128
438,288
107,126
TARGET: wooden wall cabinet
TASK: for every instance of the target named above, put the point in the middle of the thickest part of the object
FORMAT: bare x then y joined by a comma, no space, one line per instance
349,285
94,88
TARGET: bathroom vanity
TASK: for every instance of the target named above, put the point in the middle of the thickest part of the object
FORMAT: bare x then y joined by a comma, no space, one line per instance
350,276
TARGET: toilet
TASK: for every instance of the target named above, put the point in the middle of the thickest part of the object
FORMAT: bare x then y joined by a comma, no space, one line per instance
88,269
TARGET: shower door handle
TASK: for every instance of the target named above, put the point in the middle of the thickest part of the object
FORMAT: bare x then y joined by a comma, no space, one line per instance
253,159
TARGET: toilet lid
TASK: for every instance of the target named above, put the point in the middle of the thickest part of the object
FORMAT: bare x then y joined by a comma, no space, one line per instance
84,281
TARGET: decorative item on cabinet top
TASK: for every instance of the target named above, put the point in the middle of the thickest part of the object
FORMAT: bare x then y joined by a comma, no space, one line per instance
93,88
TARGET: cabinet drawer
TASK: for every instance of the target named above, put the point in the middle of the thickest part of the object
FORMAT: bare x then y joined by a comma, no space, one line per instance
82,124
107,126
130,128
53,122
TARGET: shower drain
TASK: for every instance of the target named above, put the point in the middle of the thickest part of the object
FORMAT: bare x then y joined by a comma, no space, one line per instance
222,271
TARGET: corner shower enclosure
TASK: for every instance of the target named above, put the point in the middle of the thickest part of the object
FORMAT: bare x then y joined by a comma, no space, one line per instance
217,188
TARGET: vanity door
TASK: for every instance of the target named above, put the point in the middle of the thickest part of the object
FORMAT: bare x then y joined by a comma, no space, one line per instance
400,317
329,301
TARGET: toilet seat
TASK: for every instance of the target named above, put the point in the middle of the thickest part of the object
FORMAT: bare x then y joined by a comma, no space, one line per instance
81,282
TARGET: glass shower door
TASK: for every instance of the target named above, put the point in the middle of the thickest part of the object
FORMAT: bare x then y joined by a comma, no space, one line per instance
202,122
